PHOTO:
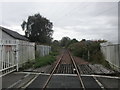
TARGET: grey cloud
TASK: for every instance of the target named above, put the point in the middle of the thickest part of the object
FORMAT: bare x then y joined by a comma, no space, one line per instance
88,20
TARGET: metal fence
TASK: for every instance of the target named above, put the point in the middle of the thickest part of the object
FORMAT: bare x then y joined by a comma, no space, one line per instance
112,54
13,53
42,50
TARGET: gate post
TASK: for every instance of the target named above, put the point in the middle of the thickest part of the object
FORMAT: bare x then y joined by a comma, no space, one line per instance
17,51
1,64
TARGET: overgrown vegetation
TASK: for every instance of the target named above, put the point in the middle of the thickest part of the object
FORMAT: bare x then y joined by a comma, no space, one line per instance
49,59
87,49
46,60
55,46
66,41
90,51
41,61
27,65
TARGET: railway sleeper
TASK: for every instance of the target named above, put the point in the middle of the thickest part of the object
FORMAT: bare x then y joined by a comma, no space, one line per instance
65,69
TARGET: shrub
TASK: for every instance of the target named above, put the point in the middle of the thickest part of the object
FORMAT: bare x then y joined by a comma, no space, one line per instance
82,48
42,61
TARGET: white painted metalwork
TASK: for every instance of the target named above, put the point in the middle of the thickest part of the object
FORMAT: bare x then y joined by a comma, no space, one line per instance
7,56
13,53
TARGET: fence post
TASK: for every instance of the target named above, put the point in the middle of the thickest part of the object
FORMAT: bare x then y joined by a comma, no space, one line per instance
119,55
17,50
2,56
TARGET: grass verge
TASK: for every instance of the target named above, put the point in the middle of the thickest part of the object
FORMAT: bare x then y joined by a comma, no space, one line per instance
42,61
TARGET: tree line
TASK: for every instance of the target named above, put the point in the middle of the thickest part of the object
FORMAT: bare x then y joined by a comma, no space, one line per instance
38,29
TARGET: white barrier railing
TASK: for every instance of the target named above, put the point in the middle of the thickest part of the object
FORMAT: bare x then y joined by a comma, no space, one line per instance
13,53
8,56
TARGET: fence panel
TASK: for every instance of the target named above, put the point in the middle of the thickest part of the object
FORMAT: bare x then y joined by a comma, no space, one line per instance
112,54
26,52
42,50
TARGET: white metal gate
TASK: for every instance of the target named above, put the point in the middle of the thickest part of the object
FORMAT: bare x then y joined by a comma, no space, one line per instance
8,58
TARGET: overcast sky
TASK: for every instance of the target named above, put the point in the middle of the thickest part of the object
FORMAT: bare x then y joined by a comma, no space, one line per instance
88,20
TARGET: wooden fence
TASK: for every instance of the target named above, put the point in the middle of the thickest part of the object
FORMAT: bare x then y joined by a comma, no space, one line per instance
112,54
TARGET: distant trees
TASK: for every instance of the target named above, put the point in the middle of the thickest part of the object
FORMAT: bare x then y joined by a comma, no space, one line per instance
38,29
56,42
55,46
73,41
88,50
66,41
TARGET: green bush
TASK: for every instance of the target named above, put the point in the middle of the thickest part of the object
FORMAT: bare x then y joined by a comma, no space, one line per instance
42,61
82,48
54,53
27,65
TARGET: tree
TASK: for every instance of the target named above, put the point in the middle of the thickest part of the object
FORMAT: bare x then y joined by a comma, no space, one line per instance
65,42
73,41
56,42
38,29
55,46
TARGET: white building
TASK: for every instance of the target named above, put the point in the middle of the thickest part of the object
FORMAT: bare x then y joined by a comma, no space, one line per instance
15,50
8,34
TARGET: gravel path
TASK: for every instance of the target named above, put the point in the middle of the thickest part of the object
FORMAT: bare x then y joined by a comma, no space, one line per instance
79,60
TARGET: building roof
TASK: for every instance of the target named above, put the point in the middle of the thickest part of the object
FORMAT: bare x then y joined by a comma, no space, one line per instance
14,34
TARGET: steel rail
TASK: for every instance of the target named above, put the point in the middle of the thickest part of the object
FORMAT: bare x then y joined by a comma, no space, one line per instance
98,82
102,87
46,83
78,74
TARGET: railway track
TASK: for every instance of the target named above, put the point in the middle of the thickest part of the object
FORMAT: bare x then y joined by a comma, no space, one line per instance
72,68
66,74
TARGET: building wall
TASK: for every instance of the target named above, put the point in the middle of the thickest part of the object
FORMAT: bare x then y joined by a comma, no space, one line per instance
14,53
26,50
